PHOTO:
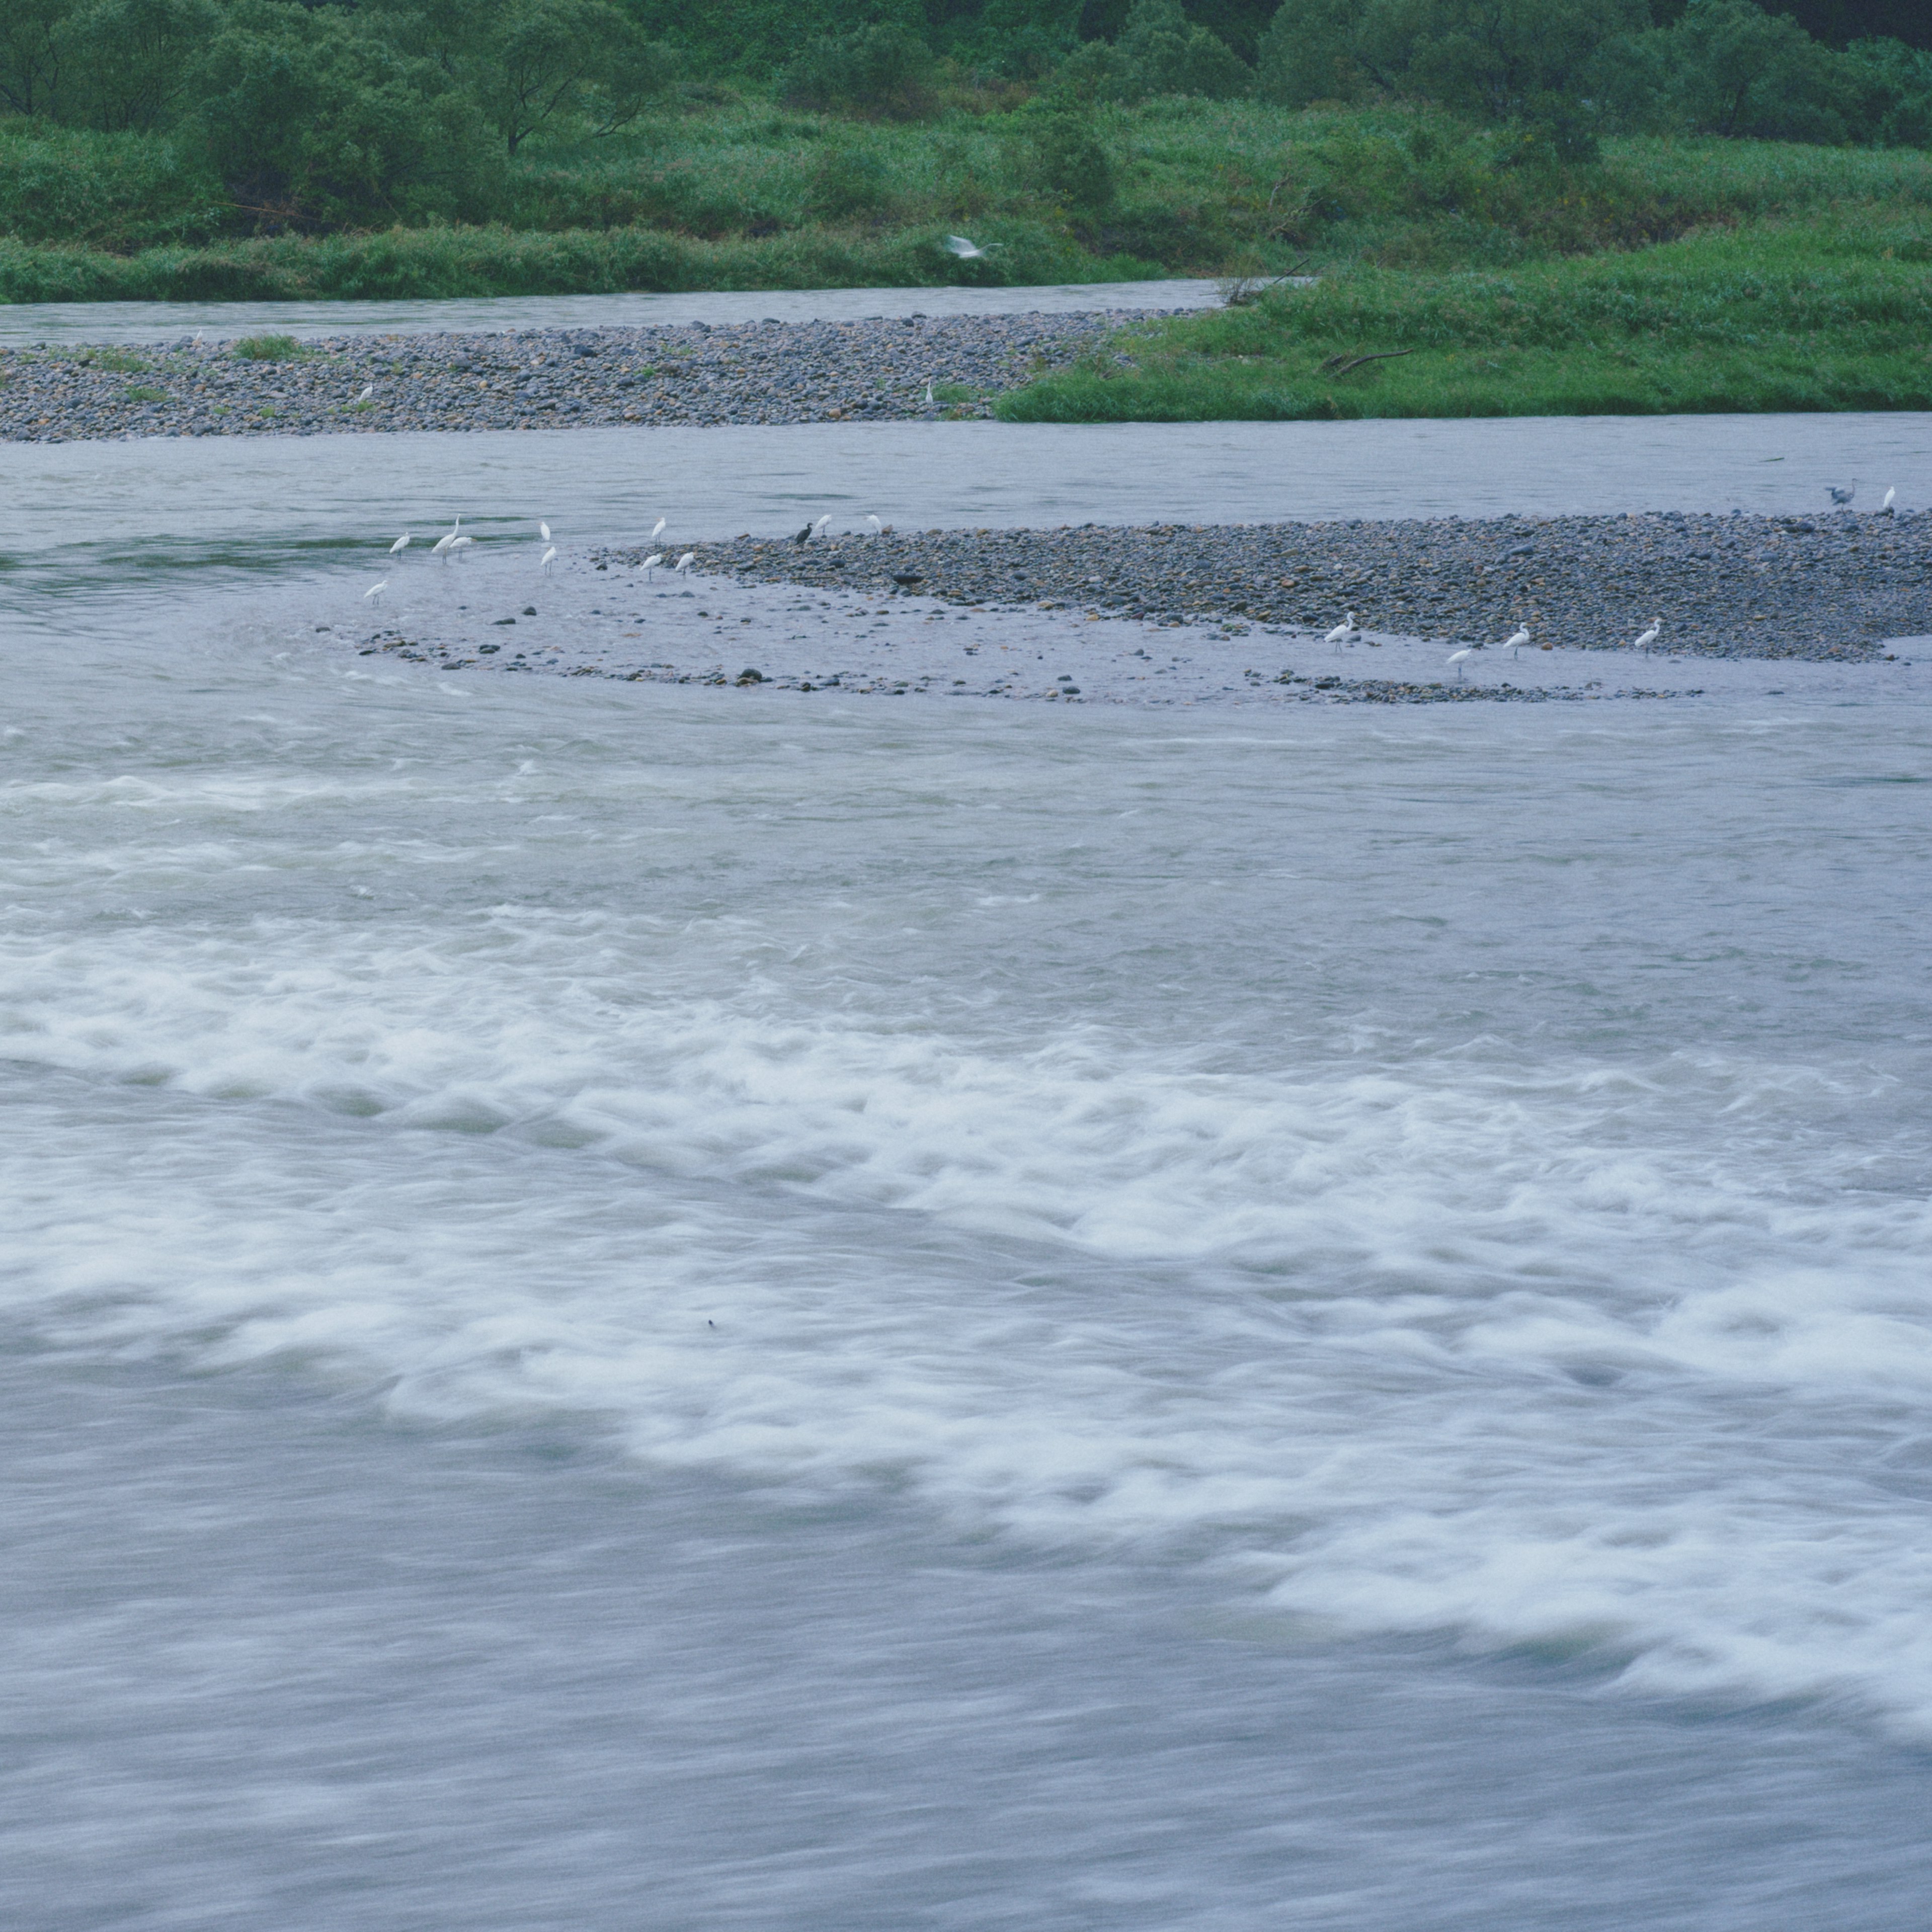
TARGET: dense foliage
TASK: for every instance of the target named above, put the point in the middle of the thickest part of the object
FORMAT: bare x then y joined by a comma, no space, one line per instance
1408,130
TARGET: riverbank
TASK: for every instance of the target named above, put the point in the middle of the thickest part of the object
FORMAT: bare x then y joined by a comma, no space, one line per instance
904,368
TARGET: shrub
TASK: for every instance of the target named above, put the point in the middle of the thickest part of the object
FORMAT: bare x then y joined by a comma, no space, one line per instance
883,71
849,181
115,191
1072,164
268,348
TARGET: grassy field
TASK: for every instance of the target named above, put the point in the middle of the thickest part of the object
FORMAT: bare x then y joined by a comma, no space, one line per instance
1831,313
732,193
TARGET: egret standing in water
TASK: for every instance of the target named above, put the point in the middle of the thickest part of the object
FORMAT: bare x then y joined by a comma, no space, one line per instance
549,558
401,543
650,563
1842,497
657,532
1342,632
373,593
543,529
684,563
441,546
1514,642
459,544
1460,657
1643,643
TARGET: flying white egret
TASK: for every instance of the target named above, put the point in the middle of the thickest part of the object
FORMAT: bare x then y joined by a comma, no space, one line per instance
369,389
1514,642
375,590
1458,658
1342,632
650,563
402,543
657,531
1649,636
878,529
969,251
549,558
1885,508
684,562
543,529
1841,497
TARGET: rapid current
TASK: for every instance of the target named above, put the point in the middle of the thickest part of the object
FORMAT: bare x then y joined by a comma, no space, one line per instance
638,1306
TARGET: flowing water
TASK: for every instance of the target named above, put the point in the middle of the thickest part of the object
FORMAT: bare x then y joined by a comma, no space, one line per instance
637,1306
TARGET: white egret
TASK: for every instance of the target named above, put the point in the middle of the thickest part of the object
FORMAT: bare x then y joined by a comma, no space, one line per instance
684,562
650,563
543,529
441,546
657,531
1514,642
1884,508
402,543
375,590
1342,632
369,390
969,251
818,528
549,558
458,545
1458,658
878,529
1841,497
929,396
1649,637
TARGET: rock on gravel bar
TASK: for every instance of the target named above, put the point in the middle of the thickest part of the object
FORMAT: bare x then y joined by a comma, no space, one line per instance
768,372
1830,587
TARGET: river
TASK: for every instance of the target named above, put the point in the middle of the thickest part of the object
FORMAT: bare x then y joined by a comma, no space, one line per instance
638,1305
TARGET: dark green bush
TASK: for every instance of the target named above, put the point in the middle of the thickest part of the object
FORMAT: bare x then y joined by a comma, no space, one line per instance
884,71
850,181
115,191
1072,162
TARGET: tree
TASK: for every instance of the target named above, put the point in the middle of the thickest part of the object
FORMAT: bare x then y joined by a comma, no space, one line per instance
130,61
33,48
541,55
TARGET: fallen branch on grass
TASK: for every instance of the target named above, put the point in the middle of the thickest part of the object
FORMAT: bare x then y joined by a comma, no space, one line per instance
1340,365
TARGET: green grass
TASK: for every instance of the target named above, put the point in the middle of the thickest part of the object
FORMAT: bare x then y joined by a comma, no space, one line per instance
268,348
1824,315
734,194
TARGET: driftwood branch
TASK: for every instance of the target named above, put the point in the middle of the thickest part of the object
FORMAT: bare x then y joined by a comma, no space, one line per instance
1340,365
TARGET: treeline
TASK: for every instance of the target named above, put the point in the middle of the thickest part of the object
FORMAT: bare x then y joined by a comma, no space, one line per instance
126,124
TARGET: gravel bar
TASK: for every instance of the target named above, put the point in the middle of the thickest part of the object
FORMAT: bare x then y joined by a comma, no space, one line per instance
878,370
1826,587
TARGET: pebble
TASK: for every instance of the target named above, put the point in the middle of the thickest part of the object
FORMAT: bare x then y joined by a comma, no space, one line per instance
1831,587
772,372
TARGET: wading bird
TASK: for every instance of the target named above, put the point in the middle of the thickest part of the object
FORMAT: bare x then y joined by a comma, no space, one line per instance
1649,636
818,528
1884,508
375,590
657,532
441,546
401,543
1514,642
1342,632
369,389
1841,497
650,563
549,558
543,529
458,545
878,528
969,251
1460,657
929,396
684,562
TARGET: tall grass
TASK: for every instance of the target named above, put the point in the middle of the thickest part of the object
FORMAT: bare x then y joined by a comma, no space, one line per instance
1823,315
735,193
